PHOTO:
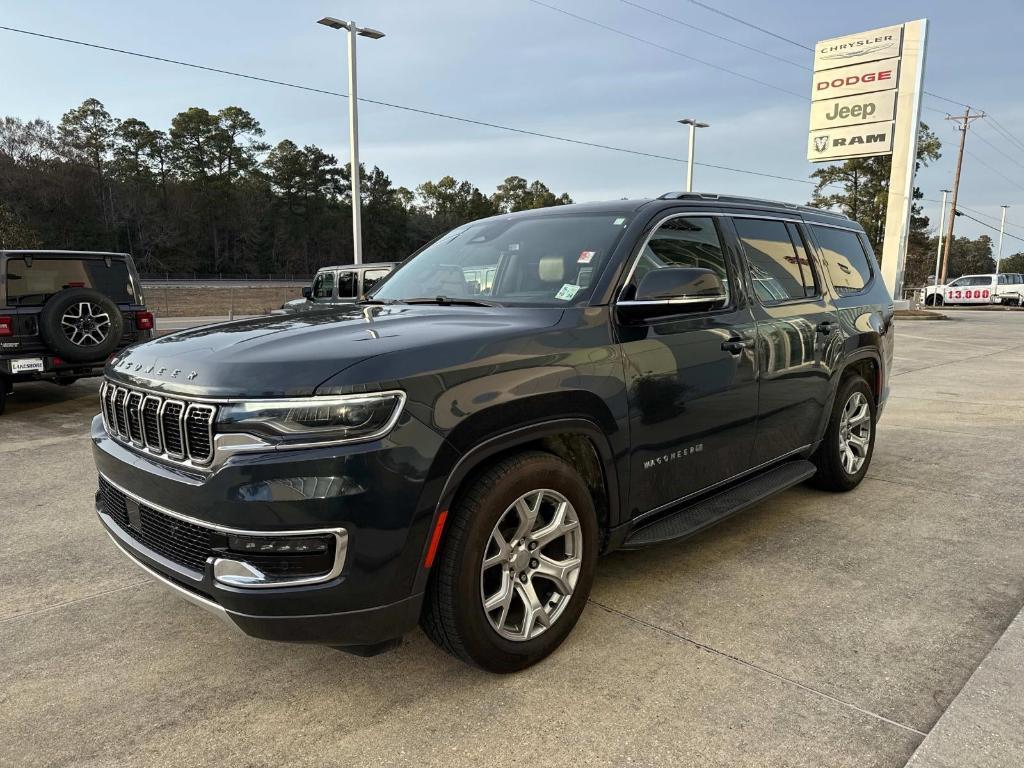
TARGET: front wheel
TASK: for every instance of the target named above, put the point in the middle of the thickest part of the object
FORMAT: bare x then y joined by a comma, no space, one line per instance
517,564
845,452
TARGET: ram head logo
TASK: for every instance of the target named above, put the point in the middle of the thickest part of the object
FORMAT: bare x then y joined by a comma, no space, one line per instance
820,143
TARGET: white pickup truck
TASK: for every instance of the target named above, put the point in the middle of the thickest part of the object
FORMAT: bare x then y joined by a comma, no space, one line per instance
1005,288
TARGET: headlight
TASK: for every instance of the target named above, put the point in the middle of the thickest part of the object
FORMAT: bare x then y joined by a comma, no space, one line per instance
314,420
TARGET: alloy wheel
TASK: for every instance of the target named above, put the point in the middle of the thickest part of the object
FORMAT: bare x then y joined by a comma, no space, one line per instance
855,433
85,324
531,564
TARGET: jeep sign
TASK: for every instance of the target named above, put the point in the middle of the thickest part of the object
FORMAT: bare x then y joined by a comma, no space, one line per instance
853,110
851,141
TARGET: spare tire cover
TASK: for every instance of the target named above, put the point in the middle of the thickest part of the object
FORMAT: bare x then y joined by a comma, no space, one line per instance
81,325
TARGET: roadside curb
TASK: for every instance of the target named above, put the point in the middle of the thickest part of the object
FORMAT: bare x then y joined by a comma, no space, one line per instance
984,724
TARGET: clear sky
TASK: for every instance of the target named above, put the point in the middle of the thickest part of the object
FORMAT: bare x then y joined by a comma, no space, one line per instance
517,63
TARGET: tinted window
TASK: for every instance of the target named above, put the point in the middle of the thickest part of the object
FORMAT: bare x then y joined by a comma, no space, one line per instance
347,284
538,259
779,269
845,259
1005,279
684,241
373,276
34,285
323,285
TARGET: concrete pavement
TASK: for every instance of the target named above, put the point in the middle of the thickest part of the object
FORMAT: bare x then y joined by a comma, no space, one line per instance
814,630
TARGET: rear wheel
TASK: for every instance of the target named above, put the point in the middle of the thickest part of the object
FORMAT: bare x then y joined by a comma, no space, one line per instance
845,452
517,564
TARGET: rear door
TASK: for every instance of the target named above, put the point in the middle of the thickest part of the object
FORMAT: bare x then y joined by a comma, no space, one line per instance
691,376
795,321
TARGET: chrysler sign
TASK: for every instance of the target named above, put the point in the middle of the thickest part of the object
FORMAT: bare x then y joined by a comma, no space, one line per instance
856,49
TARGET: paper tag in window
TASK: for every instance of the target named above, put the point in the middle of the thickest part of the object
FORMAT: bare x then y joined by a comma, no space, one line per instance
567,291
586,257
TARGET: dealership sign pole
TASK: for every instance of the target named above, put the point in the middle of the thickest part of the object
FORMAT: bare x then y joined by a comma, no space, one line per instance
866,101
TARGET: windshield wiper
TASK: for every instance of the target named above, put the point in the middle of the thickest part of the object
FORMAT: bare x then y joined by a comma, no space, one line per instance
445,301
383,302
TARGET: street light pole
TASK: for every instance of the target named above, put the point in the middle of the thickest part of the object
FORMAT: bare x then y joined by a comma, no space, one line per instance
938,250
353,126
694,125
999,250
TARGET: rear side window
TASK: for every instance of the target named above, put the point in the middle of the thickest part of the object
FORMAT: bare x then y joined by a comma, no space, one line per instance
32,281
683,241
845,259
347,284
373,276
779,266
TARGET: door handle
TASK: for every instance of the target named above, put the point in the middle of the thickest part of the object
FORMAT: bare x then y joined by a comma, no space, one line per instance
736,346
826,327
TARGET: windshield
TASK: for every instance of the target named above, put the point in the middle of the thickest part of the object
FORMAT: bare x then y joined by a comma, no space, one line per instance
548,260
31,281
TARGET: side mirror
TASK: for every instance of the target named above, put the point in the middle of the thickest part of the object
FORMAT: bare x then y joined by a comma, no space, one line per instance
674,290
307,292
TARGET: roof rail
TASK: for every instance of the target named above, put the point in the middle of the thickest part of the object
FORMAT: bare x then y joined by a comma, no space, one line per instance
748,200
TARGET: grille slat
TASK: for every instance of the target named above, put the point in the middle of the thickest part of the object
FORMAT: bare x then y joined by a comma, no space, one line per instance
132,406
170,420
199,432
175,429
151,423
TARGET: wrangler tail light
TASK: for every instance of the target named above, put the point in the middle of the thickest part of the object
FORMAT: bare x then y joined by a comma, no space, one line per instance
6,326
144,321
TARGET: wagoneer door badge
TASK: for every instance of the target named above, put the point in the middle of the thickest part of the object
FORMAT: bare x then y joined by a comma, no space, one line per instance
687,451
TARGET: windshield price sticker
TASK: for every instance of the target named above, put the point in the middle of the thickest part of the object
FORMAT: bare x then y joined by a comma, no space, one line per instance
586,257
567,292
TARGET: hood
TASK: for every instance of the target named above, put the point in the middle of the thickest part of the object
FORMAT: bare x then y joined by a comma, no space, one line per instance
290,355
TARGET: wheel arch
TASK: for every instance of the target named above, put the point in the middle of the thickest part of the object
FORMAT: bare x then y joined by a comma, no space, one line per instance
579,440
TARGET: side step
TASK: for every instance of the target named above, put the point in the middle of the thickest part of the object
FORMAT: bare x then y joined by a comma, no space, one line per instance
714,509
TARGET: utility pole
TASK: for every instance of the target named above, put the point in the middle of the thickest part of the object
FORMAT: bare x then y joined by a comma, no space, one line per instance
965,120
938,248
694,125
999,250
353,126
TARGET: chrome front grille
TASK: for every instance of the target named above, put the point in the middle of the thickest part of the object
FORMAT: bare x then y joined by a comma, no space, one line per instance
167,427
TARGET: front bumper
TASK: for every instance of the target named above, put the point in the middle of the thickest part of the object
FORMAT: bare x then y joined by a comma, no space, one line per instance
376,497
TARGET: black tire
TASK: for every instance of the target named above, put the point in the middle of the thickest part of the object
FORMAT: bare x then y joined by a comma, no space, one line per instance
453,615
96,344
832,474
929,300
939,301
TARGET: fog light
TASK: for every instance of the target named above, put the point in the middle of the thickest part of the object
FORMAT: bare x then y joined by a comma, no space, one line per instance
291,545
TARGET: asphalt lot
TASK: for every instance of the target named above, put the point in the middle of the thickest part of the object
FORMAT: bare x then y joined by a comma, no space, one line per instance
814,630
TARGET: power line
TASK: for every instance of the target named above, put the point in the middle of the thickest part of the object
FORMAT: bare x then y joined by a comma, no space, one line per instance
715,35
390,105
1006,134
1008,234
738,20
996,172
997,149
665,48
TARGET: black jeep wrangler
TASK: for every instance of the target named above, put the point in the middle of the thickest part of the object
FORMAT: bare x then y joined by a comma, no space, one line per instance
456,453
64,313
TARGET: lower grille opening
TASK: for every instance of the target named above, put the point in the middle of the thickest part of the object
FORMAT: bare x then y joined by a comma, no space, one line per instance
179,541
